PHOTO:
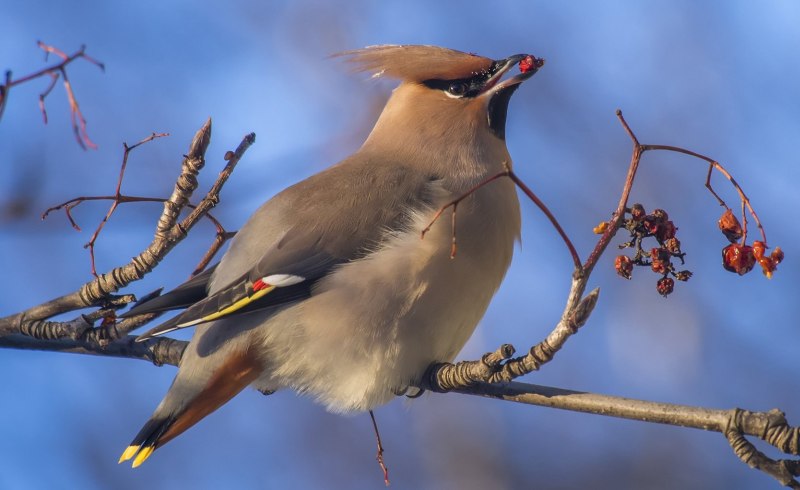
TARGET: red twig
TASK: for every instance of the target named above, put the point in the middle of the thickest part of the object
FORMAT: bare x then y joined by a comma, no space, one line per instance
714,165
454,204
54,72
201,210
222,235
220,238
379,455
117,194
116,199
638,151
526,190
619,213
543,208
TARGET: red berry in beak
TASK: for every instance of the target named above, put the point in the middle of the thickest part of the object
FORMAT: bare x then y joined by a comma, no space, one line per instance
528,63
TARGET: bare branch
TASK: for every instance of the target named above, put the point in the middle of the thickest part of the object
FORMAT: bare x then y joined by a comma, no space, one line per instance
168,234
54,72
159,351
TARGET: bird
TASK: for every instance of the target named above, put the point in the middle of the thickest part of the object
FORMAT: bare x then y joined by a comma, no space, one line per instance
330,288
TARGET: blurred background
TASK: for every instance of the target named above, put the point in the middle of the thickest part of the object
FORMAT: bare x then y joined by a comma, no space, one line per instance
724,82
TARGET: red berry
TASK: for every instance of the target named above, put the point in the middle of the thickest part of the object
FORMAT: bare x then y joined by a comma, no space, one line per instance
651,223
729,226
758,249
659,266
673,245
637,212
767,266
665,231
664,286
738,258
624,266
529,63
777,255
660,214
659,260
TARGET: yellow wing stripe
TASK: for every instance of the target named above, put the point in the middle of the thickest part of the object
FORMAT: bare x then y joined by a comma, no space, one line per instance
229,309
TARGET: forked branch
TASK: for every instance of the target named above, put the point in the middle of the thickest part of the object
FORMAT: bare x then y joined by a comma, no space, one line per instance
56,71
170,231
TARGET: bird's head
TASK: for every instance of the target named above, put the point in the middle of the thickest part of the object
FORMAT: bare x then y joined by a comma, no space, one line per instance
443,93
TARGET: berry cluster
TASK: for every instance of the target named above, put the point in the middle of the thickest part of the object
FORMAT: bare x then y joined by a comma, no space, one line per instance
740,257
657,225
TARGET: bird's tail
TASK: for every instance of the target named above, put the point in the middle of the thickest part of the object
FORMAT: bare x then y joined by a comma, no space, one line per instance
177,412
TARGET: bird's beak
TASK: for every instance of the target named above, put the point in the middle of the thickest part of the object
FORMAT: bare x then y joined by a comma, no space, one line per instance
529,65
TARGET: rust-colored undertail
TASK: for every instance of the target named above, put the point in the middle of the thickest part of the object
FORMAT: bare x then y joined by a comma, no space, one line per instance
238,371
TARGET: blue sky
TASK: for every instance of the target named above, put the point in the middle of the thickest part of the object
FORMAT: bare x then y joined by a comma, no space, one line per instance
723,82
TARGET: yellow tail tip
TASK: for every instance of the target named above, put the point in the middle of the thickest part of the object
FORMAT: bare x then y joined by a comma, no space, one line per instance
144,453
129,452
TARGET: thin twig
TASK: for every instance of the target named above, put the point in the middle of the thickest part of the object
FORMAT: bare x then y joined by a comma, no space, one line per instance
379,455
507,172
544,209
4,88
43,95
454,205
117,194
714,165
220,238
166,237
54,72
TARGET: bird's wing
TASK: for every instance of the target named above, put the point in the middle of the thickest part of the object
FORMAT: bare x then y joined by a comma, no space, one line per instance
278,279
183,296
334,220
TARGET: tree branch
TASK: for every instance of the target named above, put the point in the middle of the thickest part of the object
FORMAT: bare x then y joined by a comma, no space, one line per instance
169,233
54,72
159,351
491,376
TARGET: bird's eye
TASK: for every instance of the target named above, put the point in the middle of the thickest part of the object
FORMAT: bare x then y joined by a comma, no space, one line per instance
457,89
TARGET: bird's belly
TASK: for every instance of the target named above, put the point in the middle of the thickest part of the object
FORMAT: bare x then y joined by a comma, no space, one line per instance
377,323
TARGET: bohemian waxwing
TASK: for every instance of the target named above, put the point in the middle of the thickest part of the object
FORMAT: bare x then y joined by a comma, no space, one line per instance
328,288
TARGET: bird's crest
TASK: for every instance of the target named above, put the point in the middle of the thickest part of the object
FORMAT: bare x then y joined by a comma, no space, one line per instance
416,63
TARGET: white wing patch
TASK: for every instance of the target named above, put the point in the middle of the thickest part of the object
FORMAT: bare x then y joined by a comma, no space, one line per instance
282,280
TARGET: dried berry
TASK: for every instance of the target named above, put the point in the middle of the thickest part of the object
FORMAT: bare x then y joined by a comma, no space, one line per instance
650,223
738,258
637,212
624,266
683,275
659,254
758,249
729,226
660,215
659,260
664,286
673,245
665,230
777,255
767,266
